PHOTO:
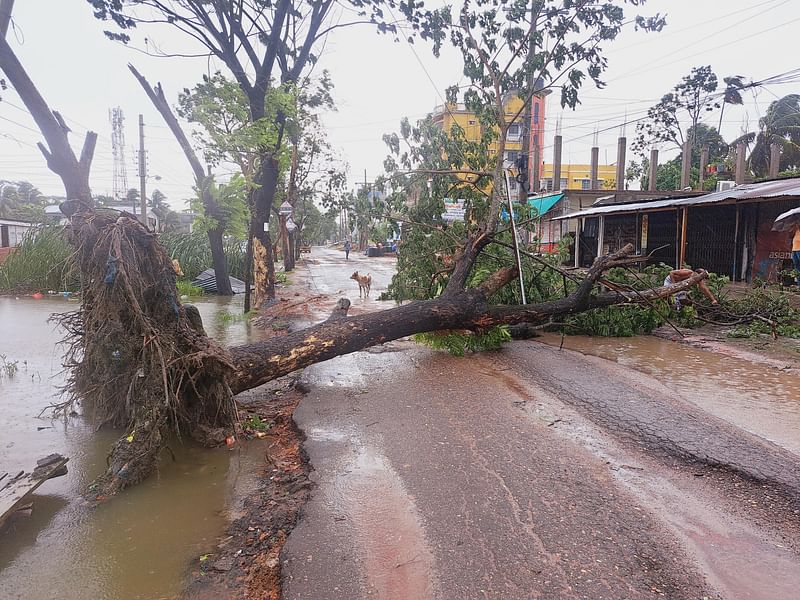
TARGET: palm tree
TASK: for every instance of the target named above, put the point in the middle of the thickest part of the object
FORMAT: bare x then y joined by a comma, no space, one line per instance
779,125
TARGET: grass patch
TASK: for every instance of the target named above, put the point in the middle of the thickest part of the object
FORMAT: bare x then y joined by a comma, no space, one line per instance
194,253
40,263
185,288
228,318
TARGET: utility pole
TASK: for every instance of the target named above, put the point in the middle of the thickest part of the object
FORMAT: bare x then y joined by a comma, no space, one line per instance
142,174
525,186
703,166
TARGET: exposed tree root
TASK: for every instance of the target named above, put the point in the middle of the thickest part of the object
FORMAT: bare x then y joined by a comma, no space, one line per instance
135,359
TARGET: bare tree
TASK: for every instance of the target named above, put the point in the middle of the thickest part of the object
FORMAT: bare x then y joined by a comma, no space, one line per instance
74,172
202,180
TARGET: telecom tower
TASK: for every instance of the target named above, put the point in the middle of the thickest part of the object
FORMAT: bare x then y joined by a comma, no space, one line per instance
116,119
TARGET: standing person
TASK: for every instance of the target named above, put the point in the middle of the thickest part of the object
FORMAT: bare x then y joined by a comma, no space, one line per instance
347,247
796,252
682,298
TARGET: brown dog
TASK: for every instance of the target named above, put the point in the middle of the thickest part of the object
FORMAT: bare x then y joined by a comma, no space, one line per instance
364,283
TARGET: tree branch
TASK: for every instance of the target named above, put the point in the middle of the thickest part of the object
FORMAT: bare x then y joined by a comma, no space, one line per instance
260,362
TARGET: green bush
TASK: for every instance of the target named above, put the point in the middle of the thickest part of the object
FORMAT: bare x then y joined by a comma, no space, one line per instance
40,263
772,305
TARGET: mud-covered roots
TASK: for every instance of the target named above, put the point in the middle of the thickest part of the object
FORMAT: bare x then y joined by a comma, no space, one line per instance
134,358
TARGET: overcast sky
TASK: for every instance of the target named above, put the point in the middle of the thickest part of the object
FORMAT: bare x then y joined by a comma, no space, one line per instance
377,82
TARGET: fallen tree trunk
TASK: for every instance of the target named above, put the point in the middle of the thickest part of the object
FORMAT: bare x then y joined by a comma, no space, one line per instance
260,362
138,361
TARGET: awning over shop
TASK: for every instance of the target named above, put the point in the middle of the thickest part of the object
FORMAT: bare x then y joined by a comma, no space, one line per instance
542,204
753,192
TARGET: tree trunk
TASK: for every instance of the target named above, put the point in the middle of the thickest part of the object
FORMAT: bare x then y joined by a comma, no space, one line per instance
219,262
202,180
263,259
260,362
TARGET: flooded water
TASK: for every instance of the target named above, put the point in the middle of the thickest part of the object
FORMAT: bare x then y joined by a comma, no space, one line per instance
756,397
142,544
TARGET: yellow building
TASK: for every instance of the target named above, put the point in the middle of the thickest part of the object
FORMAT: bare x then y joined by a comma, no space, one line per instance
446,116
578,177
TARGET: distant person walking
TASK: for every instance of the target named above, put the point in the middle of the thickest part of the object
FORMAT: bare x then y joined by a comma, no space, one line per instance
347,247
796,252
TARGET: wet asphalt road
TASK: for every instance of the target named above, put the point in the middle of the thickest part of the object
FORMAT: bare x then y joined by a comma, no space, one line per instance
529,473
329,272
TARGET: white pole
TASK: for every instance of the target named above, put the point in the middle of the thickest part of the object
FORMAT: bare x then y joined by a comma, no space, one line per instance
514,234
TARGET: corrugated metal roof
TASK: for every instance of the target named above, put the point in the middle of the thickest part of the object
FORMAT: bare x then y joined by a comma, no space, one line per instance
782,188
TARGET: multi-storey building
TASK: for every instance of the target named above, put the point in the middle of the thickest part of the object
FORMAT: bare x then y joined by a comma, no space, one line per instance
447,115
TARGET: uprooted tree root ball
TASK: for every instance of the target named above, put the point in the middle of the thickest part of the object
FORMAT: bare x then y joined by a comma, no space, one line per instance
134,357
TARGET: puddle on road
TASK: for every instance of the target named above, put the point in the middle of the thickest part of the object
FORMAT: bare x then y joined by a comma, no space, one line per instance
755,397
139,545
394,556
322,434
342,371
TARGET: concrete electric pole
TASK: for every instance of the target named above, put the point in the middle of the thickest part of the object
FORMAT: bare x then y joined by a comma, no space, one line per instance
142,174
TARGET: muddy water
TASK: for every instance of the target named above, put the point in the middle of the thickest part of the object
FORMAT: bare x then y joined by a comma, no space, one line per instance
756,397
142,544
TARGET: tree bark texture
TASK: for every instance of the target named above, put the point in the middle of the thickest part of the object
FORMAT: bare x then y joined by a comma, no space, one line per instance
263,259
202,180
74,172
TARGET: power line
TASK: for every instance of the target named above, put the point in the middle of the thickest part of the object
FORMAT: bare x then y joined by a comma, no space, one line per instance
673,32
651,66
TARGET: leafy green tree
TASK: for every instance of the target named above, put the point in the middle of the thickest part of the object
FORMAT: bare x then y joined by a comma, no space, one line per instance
666,122
21,201
668,175
158,203
318,227
168,219
132,200
220,107
507,47
231,200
